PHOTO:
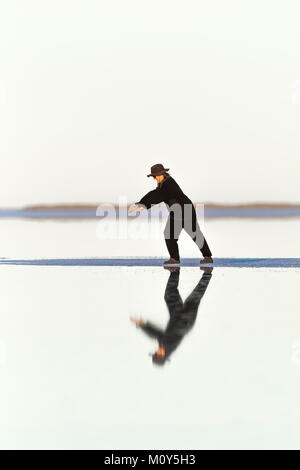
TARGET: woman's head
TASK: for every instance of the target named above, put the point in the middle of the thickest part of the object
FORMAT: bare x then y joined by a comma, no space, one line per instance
159,178
158,169
159,357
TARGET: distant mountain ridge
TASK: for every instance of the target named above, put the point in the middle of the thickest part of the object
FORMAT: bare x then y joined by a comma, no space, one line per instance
207,205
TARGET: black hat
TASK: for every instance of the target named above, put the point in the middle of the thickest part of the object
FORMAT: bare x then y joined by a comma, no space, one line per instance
158,169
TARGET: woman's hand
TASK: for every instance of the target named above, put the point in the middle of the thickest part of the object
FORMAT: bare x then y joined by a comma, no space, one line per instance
137,321
135,208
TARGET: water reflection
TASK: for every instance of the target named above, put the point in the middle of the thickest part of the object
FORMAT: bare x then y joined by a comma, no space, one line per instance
182,315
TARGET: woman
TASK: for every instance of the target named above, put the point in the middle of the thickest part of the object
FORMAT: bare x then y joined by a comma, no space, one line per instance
182,214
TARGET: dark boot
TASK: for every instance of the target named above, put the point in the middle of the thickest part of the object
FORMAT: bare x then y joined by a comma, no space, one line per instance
171,261
207,260
207,269
174,269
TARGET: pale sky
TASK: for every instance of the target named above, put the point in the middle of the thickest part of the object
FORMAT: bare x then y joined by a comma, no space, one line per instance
92,93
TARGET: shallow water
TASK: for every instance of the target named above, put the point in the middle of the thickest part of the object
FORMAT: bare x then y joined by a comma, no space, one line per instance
76,372
233,238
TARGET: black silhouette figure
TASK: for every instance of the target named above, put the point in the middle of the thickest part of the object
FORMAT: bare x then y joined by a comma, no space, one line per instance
182,214
182,315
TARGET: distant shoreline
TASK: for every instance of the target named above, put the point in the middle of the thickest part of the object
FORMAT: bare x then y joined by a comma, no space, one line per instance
257,210
207,205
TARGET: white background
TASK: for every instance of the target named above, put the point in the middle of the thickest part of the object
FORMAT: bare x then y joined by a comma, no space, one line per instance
92,93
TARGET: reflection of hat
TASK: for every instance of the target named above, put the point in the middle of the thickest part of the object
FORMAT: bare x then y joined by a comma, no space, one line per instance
158,360
158,169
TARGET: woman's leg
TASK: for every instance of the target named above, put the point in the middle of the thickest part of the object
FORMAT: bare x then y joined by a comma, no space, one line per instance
192,227
171,233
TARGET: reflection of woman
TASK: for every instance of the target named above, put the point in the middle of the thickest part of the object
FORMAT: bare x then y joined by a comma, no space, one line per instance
182,315
182,214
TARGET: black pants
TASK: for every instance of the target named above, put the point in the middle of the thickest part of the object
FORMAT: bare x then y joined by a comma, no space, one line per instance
186,219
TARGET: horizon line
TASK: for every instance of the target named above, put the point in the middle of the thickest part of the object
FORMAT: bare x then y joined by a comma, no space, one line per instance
156,262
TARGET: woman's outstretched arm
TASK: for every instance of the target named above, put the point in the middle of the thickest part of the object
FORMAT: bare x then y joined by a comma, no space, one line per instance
150,199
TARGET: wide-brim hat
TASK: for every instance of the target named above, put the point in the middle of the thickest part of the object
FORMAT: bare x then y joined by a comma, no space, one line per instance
158,169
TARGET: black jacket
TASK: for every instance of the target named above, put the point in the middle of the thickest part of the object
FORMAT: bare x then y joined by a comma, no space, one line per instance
168,191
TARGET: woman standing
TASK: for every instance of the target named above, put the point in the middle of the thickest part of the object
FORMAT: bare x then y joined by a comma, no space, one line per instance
182,214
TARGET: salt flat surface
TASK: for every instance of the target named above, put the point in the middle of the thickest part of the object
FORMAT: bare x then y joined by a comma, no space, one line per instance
232,238
76,373
159,262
